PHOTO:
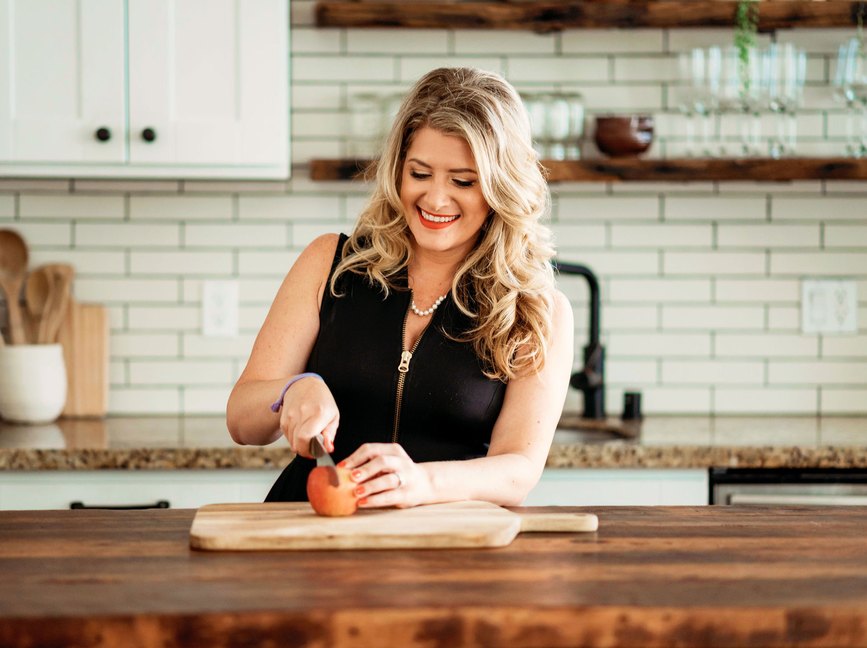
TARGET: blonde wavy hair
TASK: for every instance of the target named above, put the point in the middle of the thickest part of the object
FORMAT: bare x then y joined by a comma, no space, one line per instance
506,283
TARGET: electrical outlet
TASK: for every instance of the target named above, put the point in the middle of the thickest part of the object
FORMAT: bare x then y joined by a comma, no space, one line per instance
829,306
219,308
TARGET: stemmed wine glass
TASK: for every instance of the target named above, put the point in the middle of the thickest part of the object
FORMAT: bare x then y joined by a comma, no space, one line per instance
740,94
785,69
842,91
857,84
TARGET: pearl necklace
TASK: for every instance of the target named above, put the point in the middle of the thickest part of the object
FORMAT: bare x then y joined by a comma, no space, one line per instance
429,311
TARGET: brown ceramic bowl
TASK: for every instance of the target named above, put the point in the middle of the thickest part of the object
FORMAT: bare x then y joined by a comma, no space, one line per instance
623,135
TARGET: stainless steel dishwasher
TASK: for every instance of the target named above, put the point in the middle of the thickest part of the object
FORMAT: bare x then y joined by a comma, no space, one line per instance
788,486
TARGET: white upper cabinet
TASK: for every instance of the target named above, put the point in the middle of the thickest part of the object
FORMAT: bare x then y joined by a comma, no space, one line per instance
144,88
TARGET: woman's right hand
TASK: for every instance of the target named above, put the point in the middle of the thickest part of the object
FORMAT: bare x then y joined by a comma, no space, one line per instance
309,409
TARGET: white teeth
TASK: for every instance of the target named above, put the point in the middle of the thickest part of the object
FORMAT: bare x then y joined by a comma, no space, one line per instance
436,219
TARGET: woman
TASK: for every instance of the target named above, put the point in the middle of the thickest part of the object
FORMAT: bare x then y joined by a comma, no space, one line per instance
439,348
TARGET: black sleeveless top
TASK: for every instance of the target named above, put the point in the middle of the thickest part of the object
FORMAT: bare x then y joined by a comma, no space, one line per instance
448,406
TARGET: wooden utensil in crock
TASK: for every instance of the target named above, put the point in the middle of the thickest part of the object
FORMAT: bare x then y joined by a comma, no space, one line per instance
13,266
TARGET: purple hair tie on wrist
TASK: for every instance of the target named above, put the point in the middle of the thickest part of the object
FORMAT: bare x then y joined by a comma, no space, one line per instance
278,404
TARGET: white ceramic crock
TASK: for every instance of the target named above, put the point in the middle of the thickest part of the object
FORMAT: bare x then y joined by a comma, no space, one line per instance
32,382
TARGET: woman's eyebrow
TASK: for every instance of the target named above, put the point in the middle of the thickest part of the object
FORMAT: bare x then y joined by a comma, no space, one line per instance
425,164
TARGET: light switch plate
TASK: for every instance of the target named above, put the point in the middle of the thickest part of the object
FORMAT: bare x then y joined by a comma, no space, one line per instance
219,308
829,306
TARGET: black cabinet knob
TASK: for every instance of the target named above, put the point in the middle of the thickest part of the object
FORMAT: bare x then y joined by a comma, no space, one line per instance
103,134
148,134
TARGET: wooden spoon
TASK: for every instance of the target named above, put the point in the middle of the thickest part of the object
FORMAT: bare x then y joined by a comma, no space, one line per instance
37,291
13,266
61,282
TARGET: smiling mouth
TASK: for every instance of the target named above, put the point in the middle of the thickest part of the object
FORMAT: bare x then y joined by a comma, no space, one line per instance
437,218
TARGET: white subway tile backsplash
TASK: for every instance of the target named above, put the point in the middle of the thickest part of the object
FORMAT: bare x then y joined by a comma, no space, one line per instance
629,318
85,262
748,208
343,68
47,234
514,42
822,372
818,209
571,69
784,318
75,207
261,262
685,400
844,346
613,41
180,372
765,400
662,345
644,68
321,123
164,318
412,68
184,263
146,401
317,97
583,236
631,373
757,290
303,234
717,372
288,208
846,236
819,263
843,401
180,208
397,41
714,263
113,235
661,235
145,345
612,263
768,236
198,346
236,236
604,208
132,291
7,206
316,41
604,97
659,290
715,318
201,400
765,345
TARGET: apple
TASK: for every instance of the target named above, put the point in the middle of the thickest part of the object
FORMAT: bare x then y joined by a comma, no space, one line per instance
331,491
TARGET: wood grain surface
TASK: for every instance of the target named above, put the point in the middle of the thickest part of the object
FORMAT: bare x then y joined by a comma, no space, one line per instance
295,526
634,169
84,334
555,15
651,576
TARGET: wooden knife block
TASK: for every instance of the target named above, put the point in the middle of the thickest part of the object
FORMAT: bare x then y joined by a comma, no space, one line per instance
84,336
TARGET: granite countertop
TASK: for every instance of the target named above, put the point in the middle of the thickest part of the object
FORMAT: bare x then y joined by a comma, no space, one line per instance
166,443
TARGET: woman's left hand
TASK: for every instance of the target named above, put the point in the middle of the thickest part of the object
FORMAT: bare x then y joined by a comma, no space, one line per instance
386,476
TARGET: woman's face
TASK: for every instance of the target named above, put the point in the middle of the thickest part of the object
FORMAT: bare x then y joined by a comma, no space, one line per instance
440,191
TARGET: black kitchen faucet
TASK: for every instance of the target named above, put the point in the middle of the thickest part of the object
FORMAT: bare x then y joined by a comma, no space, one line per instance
590,379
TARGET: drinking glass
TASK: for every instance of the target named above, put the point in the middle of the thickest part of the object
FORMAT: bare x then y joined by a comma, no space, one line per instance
740,95
684,94
785,70
842,91
858,89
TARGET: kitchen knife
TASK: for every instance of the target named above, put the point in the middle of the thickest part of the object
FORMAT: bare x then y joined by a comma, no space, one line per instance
317,449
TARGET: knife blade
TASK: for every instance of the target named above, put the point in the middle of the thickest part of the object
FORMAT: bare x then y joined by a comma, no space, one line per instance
317,449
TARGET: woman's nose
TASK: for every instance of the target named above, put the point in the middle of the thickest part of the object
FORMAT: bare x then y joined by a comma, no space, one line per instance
439,196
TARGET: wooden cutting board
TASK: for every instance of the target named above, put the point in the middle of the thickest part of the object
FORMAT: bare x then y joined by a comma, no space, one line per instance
84,336
276,526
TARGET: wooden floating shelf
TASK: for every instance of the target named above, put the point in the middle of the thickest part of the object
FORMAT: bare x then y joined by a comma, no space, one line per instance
650,170
557,15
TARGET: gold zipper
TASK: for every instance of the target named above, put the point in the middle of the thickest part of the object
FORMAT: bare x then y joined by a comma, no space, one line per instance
403,368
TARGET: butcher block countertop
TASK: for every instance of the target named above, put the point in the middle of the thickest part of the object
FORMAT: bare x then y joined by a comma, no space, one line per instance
650,577
166,443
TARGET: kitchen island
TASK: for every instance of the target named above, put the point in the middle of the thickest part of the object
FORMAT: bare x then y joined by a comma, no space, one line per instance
650,576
